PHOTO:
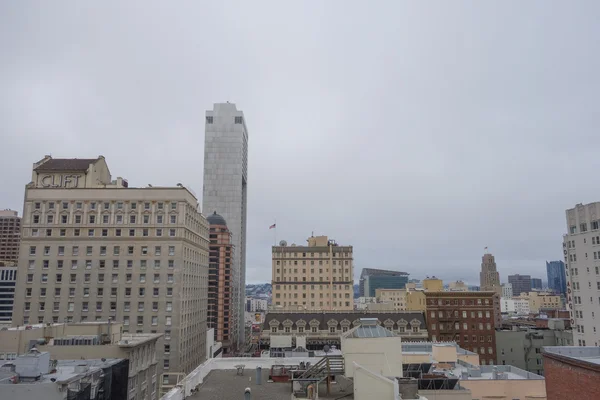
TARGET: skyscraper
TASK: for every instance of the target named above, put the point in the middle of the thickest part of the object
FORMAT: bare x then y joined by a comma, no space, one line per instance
520,283
489,277
10,235
557,281
226,186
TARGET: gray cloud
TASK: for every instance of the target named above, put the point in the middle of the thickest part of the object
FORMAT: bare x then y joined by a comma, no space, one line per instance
417,133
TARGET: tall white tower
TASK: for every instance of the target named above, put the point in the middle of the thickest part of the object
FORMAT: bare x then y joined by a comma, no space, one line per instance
226,188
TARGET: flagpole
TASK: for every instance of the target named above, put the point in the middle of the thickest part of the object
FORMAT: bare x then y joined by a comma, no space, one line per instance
275,234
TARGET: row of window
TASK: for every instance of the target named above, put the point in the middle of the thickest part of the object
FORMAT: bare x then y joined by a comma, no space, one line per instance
159,232
119,205
479,314
312,287
312,295
455,302
101,264
100,278
312,255
465,326
99,306
312,303
310,279
64,219
100,292
116,250
236,120
583,227
312,262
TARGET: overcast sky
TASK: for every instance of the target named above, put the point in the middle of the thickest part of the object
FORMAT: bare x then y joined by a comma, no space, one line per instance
417,132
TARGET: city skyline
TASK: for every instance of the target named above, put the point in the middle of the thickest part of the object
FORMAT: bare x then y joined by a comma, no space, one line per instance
452,142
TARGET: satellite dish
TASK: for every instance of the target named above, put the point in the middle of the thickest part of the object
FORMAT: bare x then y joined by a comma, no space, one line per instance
283,243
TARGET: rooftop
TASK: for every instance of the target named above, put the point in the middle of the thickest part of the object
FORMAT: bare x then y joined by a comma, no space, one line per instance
466,371
369,328
67,164
227,384
589,355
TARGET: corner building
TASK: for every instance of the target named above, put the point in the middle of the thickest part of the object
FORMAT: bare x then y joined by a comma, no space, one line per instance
95,249
581,249
314,277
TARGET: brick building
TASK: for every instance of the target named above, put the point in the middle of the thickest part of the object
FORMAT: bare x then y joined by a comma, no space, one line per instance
468,318
222,295
572,372
10,235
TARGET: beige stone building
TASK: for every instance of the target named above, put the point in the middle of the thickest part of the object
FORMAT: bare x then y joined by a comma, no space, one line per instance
91,340
458,286
539,300
318,276
95,249
402,299
433,284
489,278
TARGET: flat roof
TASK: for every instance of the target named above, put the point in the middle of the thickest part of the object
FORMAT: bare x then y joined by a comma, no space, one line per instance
588,353
136,339
487,372
227,384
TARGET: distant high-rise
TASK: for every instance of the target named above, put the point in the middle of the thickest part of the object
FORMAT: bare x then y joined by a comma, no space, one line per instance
10,235
372,279
226,187
536,283
489,277
557,281
520,283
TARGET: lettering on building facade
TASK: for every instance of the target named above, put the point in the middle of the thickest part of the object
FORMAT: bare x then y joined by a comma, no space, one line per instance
60,181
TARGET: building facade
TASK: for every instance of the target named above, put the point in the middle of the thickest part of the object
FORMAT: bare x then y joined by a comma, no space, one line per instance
10,235
520,283
467,318
317,329
489,277
557,280
318,276
8,283
536,284
372,279
254,305
226,187
514,306
402,299
572,372
222,303
95,249
522,347
458,286
507,290
92,340
540,300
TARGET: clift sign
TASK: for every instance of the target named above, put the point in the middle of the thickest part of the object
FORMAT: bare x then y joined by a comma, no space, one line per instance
60,181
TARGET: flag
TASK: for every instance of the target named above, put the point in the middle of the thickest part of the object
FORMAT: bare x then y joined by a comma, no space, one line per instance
272,226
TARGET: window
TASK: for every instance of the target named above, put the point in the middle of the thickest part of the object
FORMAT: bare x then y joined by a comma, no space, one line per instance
146,219
171,250
132,219
32,250
154,320
119,219
155,306
173,205
173,219
165,366
159,219
36,219
142,278
140,320
159,232
144,250
168,321
172,232
105,219
155,292
50,219
169,306
142,292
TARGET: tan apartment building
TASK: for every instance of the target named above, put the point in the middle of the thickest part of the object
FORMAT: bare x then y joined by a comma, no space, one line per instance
402,299
10,235
93,249
433,284
458,286
222,295
539,300
92,340
318,276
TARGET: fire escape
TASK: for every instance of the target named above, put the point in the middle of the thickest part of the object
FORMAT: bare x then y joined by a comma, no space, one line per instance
450,324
